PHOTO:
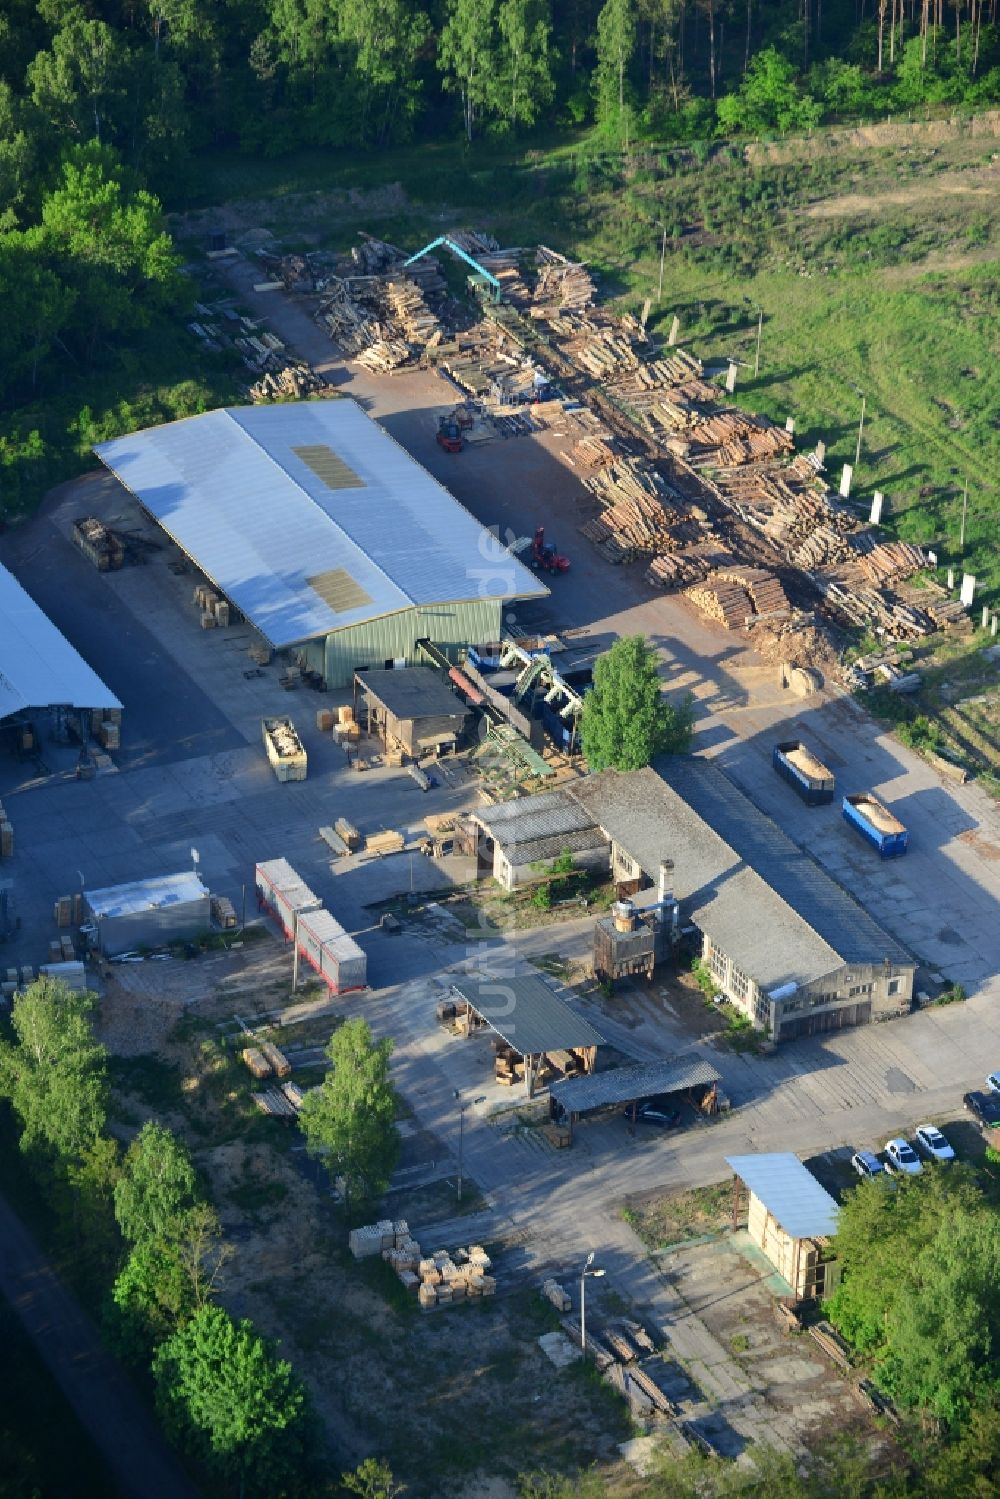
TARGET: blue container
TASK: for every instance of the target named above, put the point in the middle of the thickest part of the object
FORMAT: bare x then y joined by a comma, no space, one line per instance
866,814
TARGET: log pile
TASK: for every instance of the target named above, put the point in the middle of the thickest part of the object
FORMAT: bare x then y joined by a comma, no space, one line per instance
385,355
889,561
878,610
673,570
733,595
590,453
293,382
600,349
632,479
562,282
411,314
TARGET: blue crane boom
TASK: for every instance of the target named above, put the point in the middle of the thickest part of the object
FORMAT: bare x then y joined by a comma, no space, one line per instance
450,244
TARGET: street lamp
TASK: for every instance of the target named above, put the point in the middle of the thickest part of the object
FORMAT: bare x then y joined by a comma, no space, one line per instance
663,253
760,329
861,424
586,1274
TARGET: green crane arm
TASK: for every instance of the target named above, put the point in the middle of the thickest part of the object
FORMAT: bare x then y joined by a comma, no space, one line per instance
450,244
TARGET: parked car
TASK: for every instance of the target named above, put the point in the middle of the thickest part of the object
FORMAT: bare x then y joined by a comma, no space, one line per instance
993,1082
901,1156
985,1106
867,1165
933,1143
651,1113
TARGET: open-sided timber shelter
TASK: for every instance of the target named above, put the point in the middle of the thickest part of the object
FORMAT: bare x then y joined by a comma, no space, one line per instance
323,533
411,710
791,1218
690,1079
532,1023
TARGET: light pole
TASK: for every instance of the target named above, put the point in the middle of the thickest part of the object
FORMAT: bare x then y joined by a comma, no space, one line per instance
760,329
663,255
461,1139
861,423
585,1274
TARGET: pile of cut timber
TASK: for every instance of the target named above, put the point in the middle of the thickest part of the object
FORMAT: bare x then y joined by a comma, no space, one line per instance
279,1062
877,609
590,453
410,311
223,913
274,1103
681,569
889,561
562,282
733,595
385,842
384,355
256,1061
296,380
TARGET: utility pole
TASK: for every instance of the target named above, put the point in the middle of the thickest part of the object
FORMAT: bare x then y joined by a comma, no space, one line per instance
760,329
965,508
663,253
861,428
461,1140
583,1297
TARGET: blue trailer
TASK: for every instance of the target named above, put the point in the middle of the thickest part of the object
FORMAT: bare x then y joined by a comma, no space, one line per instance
876,823
804,773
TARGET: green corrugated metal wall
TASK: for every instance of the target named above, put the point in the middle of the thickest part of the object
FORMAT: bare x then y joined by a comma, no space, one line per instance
394,636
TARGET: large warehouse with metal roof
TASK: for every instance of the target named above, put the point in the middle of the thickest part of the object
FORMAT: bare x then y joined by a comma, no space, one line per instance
38,667
323,532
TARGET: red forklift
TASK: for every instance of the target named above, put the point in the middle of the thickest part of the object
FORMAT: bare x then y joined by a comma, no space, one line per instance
449,435
545,555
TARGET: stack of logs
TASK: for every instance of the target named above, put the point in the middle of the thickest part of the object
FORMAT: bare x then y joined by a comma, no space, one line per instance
733,595
293,382
562,282
878,610
889,561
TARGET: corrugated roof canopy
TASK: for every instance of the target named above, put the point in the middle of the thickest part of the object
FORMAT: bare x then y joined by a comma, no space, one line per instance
525,1013
412,692
310,517
38,666
625,1084
156,894
790,1192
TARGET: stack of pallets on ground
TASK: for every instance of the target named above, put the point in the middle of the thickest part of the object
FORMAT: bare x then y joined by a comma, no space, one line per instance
294,381
439,1279
223,912
888,561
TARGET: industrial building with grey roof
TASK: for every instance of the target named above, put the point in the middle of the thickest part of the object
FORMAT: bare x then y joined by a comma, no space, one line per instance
323,532
783,940
38,666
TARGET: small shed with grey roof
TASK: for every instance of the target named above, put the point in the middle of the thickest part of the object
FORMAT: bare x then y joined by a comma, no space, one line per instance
626,1087
148,913
411,709
783,941
323,533
531,1022
521,837
791,1217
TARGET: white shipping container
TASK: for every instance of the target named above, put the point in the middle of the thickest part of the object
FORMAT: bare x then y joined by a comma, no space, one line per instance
282,892
336,957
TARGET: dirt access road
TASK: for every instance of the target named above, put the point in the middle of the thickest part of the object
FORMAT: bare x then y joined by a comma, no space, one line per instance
97,1388
942,901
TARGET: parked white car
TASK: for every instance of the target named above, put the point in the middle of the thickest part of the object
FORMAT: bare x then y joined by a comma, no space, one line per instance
867,1165
932,1142
902,1157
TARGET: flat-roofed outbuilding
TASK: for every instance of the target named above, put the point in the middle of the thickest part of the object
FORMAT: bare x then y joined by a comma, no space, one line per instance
531,1020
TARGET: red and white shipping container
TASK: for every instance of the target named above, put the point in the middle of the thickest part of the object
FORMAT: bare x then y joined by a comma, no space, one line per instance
281,891
335,955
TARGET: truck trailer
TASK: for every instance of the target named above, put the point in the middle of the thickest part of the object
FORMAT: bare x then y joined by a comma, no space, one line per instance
804,773
876,823
335,955
283,893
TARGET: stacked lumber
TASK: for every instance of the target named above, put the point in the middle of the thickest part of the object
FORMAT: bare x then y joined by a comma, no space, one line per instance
276,1059
599,349
589,453
385,842
439,1279
255,1059
223,913
633,527
889,561
373,256
351,327
294,381
348,832
273,1102
947,612
477,243
631,479
765,590
680,569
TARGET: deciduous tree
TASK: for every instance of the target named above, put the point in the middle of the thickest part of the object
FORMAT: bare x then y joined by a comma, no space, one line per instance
232,1402
626,718
467,55
157,1185
349,1121
55,1072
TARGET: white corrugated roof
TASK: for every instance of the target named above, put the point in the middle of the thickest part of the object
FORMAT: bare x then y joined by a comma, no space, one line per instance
328,930
790,1193
38,666
156,894
233,492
